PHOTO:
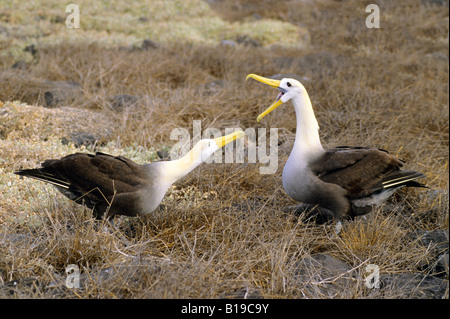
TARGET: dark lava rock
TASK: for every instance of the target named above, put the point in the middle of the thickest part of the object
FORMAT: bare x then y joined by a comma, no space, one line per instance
59,93
31,49
20,65
438,239
437,243
164,155
122,101
322,275
413,286
148,44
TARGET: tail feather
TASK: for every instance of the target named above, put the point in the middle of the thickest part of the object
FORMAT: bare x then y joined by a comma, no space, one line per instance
403,178
41,175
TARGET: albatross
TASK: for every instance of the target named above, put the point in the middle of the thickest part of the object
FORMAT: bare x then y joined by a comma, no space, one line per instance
345,181
118,186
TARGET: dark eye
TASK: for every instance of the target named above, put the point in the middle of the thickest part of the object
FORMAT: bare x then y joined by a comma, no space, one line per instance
288,84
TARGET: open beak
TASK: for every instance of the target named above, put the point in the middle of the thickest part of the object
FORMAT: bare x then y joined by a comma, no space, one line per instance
273,83
224,140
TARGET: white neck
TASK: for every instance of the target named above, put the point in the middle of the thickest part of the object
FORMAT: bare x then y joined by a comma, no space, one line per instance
177,169
307,142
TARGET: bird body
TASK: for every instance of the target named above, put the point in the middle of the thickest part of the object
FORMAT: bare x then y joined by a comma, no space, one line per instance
117,185
347,181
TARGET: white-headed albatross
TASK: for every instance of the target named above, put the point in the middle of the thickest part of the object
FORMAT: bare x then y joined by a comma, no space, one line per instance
117,185
347,181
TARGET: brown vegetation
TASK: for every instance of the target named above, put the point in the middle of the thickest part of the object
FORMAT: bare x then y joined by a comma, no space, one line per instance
225,228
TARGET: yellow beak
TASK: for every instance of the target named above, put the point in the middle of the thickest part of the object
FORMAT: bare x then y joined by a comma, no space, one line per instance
273,83
224,140
274,105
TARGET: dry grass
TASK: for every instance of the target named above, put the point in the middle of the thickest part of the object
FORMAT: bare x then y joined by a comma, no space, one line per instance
223,230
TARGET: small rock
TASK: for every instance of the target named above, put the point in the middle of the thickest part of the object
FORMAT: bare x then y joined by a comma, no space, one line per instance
122,101
437,240
441,268
247,41
413,286
438,237
31,49
59,93
58,19
148,44
322,275
20,65
164,155
324,266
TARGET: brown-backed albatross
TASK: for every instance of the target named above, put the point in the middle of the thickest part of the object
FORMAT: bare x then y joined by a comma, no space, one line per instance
117,185
348,181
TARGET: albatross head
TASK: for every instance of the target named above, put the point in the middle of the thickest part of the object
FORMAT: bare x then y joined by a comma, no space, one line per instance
206,147
288,88
176,169
307,141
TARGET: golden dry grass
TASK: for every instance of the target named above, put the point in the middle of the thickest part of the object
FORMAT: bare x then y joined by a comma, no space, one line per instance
224,228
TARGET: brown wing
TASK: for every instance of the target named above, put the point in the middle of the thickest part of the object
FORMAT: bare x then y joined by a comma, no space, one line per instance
93,179
360,171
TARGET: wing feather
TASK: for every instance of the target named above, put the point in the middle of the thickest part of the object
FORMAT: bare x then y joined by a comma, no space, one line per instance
360,171
94,178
